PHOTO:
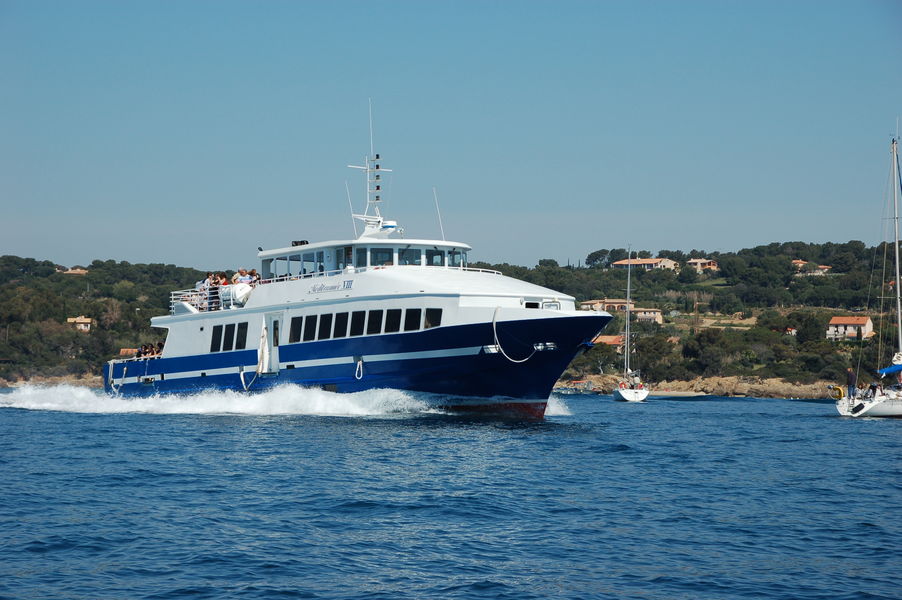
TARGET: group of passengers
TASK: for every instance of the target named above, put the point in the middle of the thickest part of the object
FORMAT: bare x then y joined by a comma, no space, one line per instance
209,287
149,350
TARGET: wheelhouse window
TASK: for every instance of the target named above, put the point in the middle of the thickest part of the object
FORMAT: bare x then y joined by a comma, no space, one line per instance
435,258
360,260
308,264
457,258
433,318
380,257
409,256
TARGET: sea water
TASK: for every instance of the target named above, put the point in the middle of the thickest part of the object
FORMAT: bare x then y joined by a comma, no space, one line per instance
306,494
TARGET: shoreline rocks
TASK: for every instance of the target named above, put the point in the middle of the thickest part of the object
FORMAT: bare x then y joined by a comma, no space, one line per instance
754,387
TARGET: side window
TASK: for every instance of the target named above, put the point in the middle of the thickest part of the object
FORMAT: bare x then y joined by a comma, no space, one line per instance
360,261
382,256
392,320
294,331
275,333
455,258
228,337
374,323
216,341
357,319
412,319
409,256
241,337
325,327
435,258
310,328
341,325
433,318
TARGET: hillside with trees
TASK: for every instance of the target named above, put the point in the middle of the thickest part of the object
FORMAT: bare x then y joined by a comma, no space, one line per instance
779,311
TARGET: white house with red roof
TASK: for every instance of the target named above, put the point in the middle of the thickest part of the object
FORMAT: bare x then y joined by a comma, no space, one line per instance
850,328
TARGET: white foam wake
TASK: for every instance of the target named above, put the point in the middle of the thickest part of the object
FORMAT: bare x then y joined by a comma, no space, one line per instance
556,408
283,400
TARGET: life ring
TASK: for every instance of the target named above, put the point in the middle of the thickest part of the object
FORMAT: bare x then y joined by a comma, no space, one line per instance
622,385
836,393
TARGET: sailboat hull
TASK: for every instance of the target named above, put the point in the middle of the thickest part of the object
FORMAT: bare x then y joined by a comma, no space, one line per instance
881,406
630,395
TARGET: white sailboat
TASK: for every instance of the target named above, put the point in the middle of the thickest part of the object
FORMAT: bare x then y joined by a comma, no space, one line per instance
630,388
884,400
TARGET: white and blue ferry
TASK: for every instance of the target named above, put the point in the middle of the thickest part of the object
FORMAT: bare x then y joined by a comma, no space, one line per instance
378,311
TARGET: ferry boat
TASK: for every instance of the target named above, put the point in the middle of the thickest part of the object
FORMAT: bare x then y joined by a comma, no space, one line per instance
377,311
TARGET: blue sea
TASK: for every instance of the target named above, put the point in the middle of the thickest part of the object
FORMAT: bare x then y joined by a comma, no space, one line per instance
306,494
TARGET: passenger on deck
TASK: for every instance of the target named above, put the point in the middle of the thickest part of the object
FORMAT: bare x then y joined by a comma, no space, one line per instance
255,277
242,276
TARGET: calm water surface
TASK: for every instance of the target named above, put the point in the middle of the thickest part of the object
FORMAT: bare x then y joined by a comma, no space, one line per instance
306,494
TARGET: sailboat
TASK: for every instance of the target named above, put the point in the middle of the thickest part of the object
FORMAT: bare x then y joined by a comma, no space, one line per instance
630,388
884,400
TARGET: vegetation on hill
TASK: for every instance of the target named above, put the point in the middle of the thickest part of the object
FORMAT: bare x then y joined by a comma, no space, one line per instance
35,338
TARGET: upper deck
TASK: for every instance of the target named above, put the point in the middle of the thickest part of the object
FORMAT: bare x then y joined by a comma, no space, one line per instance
328,260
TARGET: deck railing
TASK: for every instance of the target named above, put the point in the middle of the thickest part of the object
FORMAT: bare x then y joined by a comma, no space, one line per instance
205,299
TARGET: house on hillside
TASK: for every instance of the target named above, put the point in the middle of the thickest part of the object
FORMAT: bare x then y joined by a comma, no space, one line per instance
702,264
610,340
607,304
81,323
646,264
75,271
649,315
850,328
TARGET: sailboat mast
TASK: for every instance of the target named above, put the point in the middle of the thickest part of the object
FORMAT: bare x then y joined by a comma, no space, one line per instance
626,340
896,181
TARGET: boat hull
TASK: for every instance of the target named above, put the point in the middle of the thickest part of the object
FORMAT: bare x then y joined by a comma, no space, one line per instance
882,406
460,367
630,395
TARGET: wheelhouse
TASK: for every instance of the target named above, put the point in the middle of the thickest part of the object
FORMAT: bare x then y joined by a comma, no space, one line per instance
307,260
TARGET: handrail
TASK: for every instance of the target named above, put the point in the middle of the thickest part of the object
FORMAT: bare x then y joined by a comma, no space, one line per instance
207,299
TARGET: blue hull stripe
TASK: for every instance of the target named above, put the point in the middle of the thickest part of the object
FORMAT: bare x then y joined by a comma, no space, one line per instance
445,360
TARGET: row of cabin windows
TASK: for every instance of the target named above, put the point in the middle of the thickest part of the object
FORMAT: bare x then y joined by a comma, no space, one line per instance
229,337
323,327
309,263
393,320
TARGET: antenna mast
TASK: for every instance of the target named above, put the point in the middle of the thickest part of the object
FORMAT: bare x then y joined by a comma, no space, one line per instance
374,224
442,227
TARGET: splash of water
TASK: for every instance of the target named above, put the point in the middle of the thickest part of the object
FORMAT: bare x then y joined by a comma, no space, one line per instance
557,408
283,400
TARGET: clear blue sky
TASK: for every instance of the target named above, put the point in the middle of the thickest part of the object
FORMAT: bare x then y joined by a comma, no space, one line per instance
192,132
